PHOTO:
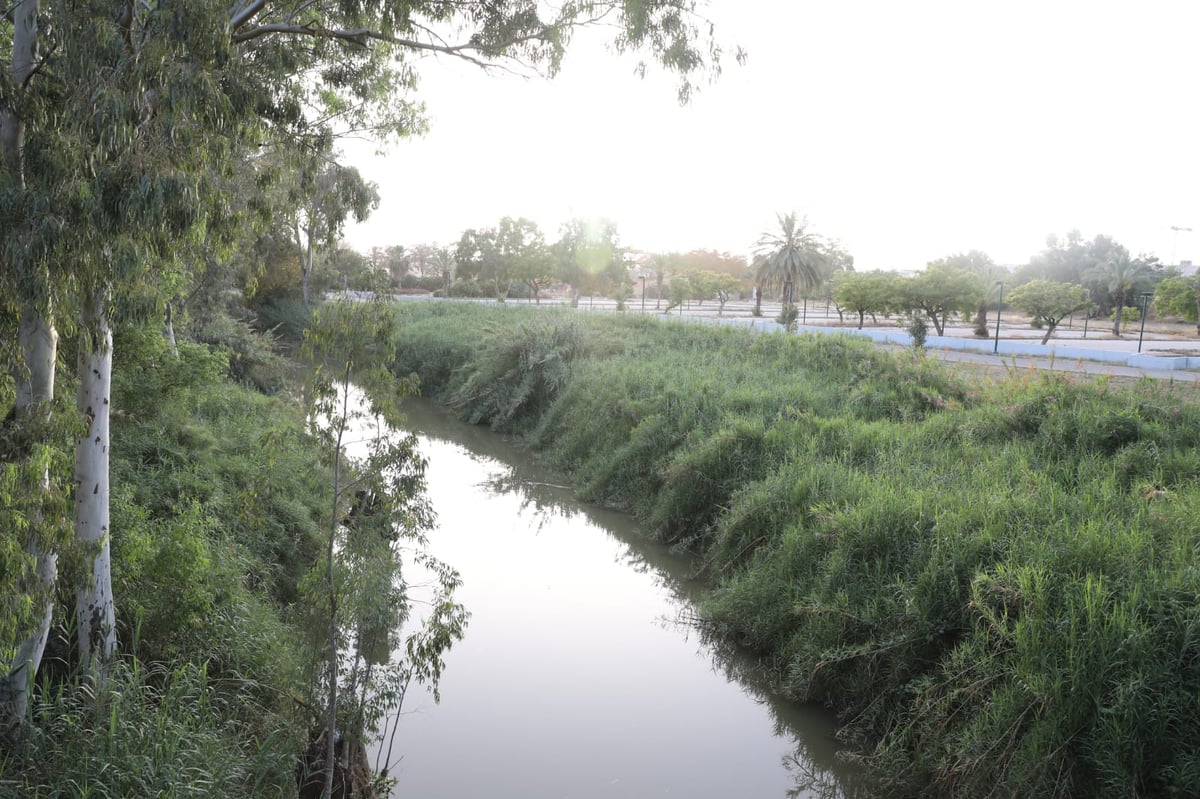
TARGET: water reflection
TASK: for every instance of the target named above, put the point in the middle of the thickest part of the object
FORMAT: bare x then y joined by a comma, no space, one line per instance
583,673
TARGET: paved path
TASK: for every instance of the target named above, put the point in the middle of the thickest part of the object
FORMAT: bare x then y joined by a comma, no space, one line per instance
1099,339
1075,366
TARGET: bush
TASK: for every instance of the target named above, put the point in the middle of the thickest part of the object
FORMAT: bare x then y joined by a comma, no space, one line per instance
918,329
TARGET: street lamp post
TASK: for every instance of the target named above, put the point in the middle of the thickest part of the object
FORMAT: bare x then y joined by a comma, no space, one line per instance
643,277
999,303
1145,295
1175,241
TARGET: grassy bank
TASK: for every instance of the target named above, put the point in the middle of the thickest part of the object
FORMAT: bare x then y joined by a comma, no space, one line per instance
217,493
996,586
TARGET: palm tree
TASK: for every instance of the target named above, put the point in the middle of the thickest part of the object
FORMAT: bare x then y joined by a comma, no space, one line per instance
443,260
790,258
1119,273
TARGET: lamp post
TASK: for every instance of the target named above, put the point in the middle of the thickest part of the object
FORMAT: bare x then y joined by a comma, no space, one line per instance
1145,295
999,303
1175,241
643,277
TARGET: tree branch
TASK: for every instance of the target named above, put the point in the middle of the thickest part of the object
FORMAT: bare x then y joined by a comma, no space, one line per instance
243,12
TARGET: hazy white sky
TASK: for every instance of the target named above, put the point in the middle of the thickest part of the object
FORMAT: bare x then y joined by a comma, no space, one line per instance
908,131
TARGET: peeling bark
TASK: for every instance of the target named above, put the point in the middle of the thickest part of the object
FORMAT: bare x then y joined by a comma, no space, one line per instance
95,618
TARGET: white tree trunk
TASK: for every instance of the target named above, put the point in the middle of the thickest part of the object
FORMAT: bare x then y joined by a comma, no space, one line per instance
170,332
97,635
35,390
304,239
38,342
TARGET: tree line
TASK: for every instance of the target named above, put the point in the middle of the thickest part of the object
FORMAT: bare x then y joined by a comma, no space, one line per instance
1092,279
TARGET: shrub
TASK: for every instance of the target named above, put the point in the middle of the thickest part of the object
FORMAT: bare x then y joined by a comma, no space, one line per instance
918,329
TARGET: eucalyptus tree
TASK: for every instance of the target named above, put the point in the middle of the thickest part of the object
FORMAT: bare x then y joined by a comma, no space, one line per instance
31,559
326,201
791,258
117,120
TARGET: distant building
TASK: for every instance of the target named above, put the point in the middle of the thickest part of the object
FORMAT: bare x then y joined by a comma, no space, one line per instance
1187,268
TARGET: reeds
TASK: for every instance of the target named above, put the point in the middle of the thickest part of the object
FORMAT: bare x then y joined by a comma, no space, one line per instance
996,586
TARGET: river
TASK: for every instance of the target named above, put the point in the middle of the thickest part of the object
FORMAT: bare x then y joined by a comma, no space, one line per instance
580,676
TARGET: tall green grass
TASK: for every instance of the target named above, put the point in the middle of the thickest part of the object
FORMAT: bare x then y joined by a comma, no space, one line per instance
996,586
216,497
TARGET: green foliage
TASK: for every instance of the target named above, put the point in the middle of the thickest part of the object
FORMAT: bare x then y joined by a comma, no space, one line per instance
150,732
356,596
587,256
213,518
792,258
1022,627
1126,314
788,315
1049,303
865,292
519,373
939,291
1178,296
31,510
917,331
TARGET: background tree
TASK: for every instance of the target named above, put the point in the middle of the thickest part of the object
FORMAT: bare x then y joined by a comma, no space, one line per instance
445,264
1049,303
679,291
1119,274
663,265
940,291
791,259
344,268
523,248
710,261
865,293
422,260
837,261
1179,296
330,197
1064,260
478,258
588,256
724,287
980,264
395,261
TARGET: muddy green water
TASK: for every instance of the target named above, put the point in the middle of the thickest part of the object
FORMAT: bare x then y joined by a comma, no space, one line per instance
580,676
